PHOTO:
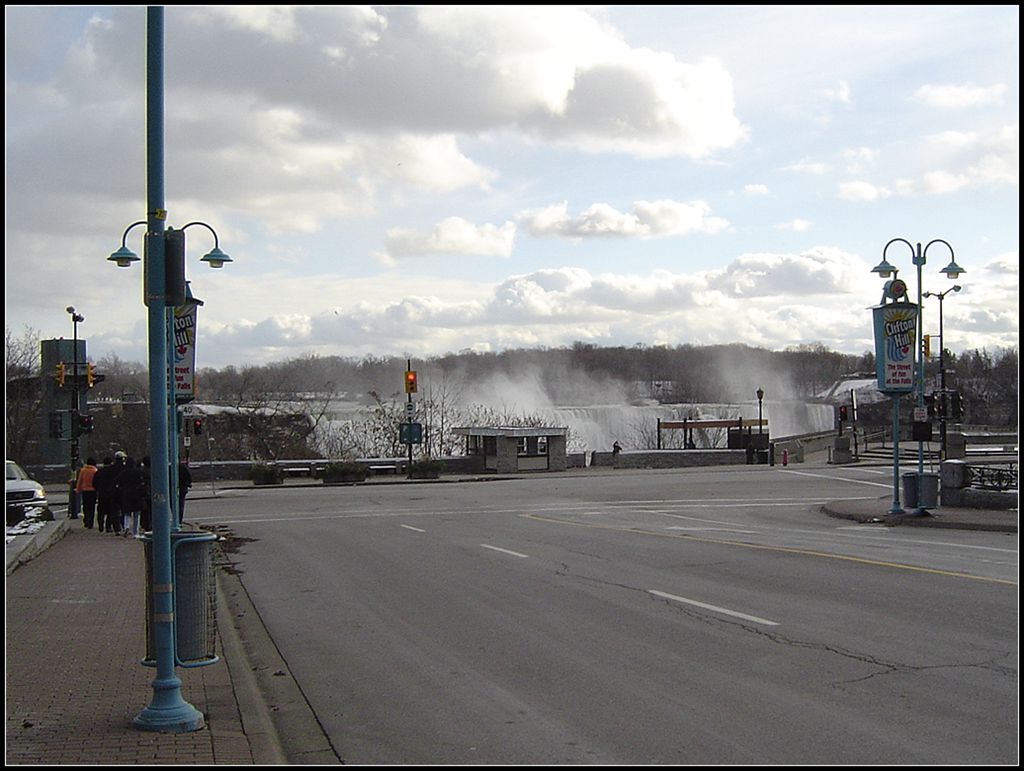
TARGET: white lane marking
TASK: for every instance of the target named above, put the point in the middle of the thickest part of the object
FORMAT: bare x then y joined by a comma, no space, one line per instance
707,529
505,551
417,529
838,478
714,608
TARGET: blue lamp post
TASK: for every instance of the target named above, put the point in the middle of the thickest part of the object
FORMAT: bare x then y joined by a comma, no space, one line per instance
164,288
885,269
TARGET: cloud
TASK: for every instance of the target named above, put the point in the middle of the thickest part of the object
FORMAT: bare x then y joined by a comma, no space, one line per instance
947,162
647,219
453,235
960,97
795,225
861,190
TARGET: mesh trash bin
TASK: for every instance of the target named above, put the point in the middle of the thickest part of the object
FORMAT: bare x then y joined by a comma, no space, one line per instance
195,600
928,483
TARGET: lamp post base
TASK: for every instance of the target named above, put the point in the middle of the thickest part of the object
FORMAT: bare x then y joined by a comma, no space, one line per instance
169,713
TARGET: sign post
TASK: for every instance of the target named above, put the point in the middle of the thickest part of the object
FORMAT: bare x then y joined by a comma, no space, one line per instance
895,326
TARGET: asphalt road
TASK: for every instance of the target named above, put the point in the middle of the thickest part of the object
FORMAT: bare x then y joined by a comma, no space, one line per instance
699,616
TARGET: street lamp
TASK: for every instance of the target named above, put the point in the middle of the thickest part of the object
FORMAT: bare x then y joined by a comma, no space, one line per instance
760,396
165,288
176,294
885,269
942,367
76,318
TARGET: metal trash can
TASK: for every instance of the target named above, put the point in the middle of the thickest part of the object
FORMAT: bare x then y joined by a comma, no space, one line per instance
195,600
928,483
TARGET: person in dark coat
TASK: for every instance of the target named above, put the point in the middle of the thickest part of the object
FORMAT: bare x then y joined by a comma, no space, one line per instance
184,485
108,499
147,495
130,484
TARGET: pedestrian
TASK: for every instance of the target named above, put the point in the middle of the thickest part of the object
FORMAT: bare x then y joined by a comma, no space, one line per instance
184,485
616,448
147,495
130,484
107,497
87,491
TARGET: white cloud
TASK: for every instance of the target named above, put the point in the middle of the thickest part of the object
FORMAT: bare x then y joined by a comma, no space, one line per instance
453,235
795,225
839,93
860,159
648,219
755,189
861,190
807,166
960,97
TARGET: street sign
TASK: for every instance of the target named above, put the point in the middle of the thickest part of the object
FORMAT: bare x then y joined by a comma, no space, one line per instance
410,410
410,433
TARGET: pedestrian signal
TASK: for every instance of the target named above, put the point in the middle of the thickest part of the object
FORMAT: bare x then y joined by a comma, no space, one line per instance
843,413
85,424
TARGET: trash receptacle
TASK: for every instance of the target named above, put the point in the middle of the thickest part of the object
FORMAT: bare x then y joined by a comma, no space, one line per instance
195,599
927,483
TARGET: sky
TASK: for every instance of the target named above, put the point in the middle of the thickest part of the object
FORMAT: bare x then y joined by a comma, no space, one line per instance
417,180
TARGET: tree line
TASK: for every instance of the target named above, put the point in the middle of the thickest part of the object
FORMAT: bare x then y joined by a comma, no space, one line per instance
289,409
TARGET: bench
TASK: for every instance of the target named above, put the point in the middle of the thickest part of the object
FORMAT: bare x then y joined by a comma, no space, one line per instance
384,468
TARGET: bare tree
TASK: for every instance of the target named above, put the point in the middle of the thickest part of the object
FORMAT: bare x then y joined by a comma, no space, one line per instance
24,392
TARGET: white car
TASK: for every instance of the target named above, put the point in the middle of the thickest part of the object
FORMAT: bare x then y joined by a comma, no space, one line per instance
21,493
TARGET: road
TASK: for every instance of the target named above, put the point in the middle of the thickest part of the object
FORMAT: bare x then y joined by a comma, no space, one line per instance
695,616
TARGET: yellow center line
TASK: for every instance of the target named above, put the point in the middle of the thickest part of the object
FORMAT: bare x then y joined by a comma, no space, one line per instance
784,549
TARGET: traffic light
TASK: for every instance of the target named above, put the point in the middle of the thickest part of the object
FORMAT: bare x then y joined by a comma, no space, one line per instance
844,413
410,381
927,346
60,372
90,376
197,426
85,424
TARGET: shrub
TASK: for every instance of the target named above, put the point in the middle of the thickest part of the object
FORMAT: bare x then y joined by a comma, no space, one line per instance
266,474
344,472
425,469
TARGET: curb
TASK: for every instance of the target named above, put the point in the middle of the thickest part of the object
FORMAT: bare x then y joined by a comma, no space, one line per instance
277,718
29,546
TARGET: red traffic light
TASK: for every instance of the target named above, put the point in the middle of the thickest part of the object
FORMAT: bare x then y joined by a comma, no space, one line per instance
197,426
410,381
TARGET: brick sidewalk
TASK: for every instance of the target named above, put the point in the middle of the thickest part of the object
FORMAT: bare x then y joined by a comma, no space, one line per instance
75,638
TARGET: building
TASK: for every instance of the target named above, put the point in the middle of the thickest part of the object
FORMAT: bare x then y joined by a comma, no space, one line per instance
511,449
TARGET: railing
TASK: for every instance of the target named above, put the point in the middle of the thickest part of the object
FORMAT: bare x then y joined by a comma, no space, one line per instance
994,477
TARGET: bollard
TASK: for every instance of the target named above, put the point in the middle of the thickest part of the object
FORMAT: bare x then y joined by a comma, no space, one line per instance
785,457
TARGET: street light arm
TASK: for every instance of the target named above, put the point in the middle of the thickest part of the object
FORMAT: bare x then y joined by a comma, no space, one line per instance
215,258
216,243
127,230
894,240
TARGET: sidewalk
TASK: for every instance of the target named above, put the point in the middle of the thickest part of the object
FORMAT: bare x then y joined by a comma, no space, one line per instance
75,638
877,511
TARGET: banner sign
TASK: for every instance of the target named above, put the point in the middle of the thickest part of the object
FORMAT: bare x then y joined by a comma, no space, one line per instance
184,374
895,346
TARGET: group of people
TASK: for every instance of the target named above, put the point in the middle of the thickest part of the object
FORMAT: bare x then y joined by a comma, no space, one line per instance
117,494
